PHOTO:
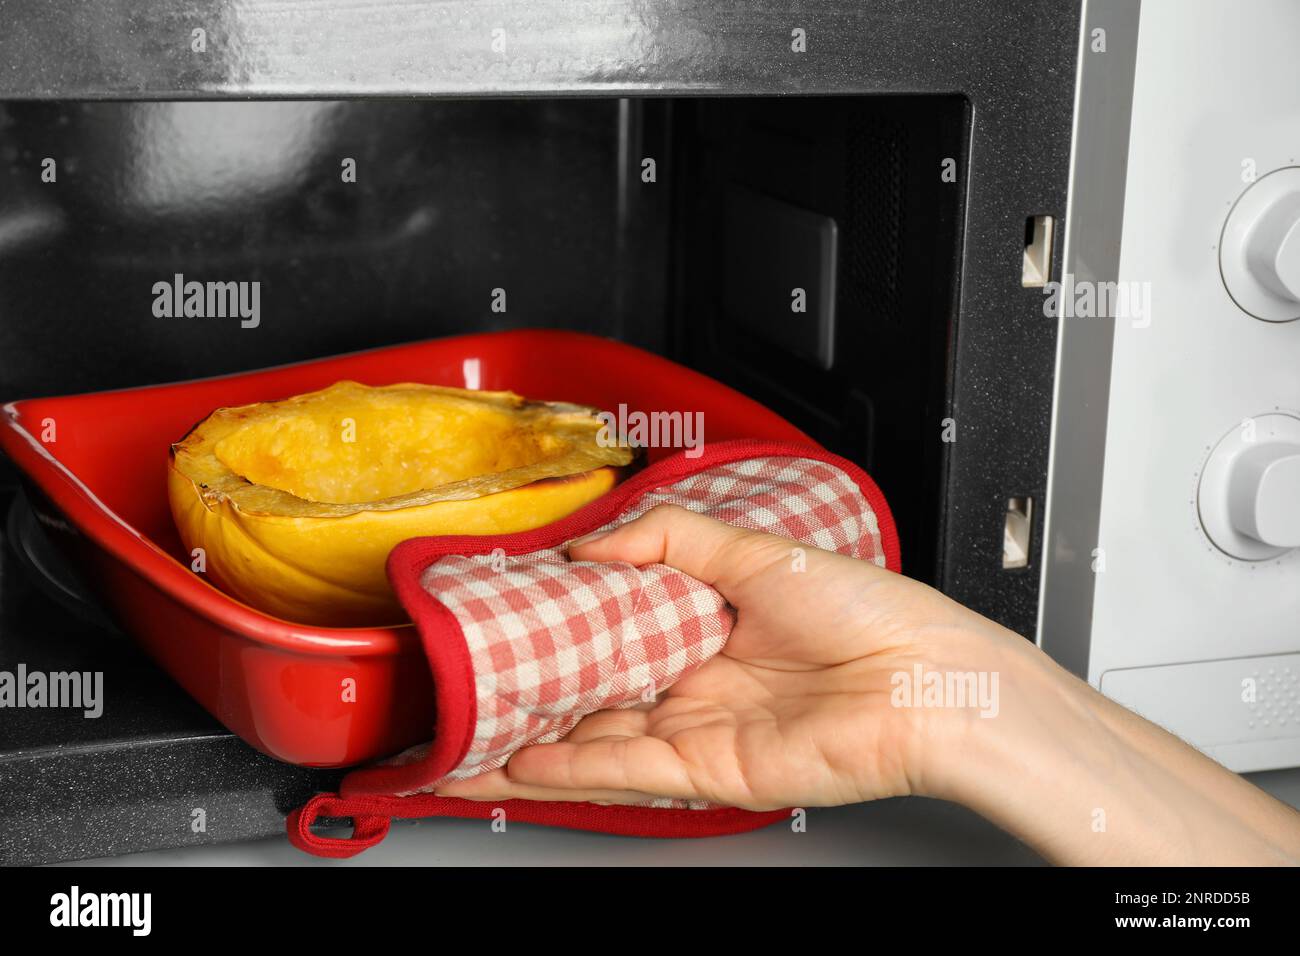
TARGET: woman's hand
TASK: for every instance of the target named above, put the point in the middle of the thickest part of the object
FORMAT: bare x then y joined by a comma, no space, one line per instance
798,707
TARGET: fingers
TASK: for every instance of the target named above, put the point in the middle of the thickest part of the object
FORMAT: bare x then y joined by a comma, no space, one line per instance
497,785
718,554
613,769
645,765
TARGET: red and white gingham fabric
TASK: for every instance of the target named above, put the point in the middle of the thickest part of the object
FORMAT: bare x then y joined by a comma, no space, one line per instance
523,643
552,640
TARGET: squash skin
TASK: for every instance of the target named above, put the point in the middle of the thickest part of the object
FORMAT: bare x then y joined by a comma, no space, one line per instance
329,569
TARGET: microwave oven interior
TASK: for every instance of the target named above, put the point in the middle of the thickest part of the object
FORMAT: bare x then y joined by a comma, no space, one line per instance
674,204
692,227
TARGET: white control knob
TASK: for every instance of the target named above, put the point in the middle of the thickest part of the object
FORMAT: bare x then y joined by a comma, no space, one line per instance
1249,495
1259,250
1264,494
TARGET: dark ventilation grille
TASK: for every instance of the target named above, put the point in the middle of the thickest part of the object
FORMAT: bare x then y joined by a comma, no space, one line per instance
871,289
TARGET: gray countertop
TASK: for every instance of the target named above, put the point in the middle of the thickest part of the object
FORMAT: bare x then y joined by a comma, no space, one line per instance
898,832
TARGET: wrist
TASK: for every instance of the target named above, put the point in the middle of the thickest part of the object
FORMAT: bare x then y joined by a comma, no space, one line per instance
1048,766
1082,780
964,749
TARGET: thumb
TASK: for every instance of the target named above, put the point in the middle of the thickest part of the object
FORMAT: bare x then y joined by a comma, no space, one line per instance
720,555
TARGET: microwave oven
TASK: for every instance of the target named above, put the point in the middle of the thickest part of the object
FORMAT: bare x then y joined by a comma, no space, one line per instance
940,183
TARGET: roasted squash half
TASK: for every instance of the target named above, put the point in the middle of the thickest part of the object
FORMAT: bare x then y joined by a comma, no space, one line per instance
296,503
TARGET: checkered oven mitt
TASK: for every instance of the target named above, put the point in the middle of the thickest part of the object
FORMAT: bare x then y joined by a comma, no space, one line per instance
524,643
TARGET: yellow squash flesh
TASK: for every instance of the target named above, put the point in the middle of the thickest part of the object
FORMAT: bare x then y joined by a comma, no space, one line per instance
297,503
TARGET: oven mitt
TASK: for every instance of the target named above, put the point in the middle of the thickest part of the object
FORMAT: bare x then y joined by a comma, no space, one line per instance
523,643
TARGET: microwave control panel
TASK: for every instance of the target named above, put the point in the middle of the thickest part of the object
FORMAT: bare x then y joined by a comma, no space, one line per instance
1196,604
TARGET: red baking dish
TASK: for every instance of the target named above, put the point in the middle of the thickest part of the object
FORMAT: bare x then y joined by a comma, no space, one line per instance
96,467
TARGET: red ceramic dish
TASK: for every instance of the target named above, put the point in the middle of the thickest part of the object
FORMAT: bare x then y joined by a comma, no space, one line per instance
96,465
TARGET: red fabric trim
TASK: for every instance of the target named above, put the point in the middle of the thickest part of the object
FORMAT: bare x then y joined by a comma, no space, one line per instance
371,817
416,554
365,794
456,698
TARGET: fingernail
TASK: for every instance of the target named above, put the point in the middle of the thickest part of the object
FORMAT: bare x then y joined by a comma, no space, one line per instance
588,538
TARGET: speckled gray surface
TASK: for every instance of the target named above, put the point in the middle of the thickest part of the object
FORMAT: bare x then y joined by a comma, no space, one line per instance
899,832
890,833
132,778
